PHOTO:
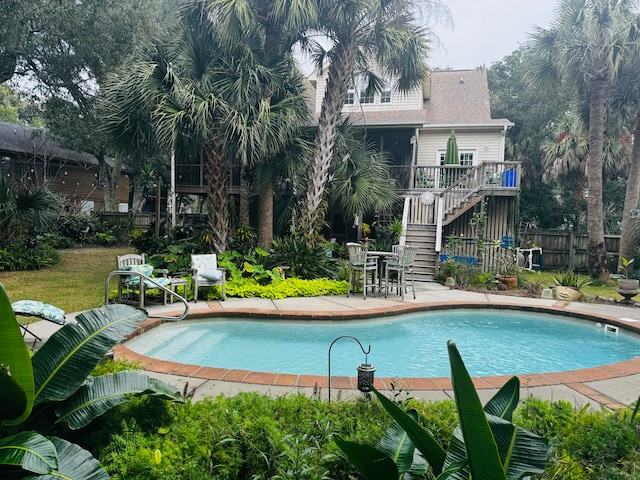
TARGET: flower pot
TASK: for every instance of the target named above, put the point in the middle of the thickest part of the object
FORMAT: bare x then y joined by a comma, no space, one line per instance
628,285
510,281
567,293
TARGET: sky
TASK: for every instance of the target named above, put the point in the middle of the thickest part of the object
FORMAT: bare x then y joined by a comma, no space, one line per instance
485,31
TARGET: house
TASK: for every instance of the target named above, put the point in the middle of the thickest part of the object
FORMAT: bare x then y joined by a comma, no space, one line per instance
439,201
33,157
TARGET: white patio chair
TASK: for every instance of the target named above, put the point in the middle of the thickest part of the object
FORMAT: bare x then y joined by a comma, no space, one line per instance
133,262
206,273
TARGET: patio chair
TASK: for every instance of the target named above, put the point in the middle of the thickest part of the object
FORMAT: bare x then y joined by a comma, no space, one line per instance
401,265
206,273
34,308
136,263
362,264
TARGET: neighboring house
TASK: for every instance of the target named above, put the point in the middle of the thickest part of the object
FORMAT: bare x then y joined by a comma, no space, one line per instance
439,200
33,157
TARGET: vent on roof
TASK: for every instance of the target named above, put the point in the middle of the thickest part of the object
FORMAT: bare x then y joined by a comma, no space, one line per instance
461,80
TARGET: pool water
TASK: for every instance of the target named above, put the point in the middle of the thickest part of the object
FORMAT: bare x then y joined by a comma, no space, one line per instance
491,342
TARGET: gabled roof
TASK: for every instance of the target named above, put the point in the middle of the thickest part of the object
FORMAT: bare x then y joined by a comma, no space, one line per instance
27,140
460,97
452,98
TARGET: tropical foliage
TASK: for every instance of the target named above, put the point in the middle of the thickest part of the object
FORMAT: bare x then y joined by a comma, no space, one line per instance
378,41
486,445
584,49
53,390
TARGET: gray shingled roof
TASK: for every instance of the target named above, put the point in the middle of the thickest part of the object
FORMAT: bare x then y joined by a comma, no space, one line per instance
460,97
29,140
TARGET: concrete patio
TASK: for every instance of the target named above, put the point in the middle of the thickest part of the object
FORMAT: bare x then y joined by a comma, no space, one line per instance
608,386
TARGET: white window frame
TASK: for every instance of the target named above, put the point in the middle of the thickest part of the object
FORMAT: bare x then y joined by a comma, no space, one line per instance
385,95
363,83
350,97
466,157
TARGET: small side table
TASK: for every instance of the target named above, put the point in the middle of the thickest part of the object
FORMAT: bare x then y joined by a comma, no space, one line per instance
174,283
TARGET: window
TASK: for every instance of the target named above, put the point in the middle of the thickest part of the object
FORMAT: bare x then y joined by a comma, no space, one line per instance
385,96
350,97
466,157
365,97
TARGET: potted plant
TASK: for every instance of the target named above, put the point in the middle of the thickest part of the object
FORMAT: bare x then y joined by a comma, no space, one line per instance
506,265
626,284
569,284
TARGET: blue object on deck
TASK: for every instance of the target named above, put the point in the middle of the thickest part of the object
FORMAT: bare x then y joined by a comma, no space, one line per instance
459,259
506,242
509,178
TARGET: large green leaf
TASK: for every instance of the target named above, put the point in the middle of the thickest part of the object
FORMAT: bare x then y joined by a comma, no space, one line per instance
64,362
521,451
13,396
370,462
396,444
503,403
423,440
17,373
482,450
74,463
100,394
30,451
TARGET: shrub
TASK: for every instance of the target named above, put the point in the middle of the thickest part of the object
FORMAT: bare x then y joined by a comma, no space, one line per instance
304,261
79,228
32,255
290,287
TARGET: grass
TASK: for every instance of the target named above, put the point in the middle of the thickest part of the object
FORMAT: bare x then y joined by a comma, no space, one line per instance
609,290
75,284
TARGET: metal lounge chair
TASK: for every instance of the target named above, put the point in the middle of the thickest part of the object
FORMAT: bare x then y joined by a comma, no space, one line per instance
34,308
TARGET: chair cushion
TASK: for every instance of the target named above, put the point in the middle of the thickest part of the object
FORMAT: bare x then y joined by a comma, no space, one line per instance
144,269
35,308
211,275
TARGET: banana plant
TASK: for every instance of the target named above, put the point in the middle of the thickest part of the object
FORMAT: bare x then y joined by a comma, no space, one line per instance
54,389
485,444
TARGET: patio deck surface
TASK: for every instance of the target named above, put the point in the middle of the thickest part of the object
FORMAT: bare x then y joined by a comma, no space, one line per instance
607,386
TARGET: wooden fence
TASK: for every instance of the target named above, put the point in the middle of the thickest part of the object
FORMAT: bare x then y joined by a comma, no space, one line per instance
568,250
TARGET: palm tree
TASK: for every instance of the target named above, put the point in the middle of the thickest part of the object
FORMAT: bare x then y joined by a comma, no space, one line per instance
209,96
23,212
628,102
583,48
364,35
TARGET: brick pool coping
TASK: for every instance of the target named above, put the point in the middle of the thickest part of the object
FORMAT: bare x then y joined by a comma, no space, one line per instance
574,379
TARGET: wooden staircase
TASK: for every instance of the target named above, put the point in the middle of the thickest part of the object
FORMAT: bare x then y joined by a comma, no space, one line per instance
466,204
423,237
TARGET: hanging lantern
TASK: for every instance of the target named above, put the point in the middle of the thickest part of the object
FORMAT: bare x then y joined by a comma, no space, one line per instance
366,373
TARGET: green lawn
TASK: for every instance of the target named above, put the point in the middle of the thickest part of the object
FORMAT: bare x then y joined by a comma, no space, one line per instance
75,284
606,291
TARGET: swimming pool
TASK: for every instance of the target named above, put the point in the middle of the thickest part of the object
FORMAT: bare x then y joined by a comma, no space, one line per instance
491,342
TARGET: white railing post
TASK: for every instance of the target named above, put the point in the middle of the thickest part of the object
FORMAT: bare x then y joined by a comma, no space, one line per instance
405,220
440,218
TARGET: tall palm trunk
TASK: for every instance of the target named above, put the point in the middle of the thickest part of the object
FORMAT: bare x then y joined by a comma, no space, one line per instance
244,196
596,250
218,217
313,209
631,197
265,216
